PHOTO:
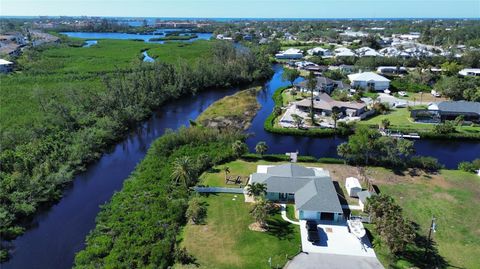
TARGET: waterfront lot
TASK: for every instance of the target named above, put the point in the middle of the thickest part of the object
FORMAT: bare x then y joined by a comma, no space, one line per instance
452,196
225,241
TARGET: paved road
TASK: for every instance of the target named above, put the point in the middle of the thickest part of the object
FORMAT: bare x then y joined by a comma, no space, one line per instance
332,261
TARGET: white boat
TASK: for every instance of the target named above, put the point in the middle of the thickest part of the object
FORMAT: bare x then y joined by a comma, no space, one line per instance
356,228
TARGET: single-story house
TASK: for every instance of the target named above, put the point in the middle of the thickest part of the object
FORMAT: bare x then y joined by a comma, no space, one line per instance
324,84
291,53
324,105
369,80
310,189
344,52
5,66
362,198
319,51
392,70
470,72
367,52
353,186
449,110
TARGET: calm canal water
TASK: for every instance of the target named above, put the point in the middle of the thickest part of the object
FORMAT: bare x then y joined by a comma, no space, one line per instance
60,232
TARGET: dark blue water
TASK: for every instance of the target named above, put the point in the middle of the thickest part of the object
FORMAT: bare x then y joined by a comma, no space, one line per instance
145,38
60,232
449,153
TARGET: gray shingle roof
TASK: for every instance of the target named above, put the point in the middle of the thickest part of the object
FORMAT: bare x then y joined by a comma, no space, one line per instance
314,191
459,106
318,195
363,195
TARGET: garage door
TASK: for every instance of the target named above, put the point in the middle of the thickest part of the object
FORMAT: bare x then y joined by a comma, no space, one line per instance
327,216
310,215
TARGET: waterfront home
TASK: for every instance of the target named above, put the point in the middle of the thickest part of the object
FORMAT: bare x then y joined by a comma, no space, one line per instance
470,72
5,66
448,110
291,53
310,189
323,84
369,80
324,105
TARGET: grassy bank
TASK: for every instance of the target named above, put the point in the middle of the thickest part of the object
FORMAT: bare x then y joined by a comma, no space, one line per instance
225,241
452,196
235,110
174,37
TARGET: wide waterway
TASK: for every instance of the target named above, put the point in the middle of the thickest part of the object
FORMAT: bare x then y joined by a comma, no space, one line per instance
145,37
60,232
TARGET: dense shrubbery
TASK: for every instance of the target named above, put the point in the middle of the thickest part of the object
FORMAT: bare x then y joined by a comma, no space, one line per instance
78,131
471,167
138,227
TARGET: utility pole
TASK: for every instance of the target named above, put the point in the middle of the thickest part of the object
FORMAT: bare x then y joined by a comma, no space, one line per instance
433,227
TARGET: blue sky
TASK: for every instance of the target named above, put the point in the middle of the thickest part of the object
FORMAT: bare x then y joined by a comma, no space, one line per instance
246,8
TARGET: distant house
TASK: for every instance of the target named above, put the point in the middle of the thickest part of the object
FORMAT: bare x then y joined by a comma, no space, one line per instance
391,70
324,105
311,190
344,68
369,80
470,72
324,84
449,110
367,52
291,53
5,66
344,52
319,51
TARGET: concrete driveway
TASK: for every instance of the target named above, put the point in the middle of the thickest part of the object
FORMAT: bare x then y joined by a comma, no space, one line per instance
332,261
336,239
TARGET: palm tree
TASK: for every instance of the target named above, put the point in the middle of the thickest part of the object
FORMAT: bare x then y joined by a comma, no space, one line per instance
384,124
311,84
227,171
335,117
256,189
260,211
298,120
239,148
184,171
290,75
261,147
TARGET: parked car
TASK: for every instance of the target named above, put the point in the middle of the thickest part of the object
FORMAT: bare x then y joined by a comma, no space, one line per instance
312,232
435,93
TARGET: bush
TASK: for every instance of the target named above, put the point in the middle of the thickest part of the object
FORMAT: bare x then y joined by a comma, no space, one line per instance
331,160
425,163
444,128
196,211
470,167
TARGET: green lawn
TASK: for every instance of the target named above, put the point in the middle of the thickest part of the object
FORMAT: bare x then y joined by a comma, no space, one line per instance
400,120
452,196
225,241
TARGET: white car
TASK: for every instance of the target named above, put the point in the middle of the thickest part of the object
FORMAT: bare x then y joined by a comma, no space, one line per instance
435,93
402,93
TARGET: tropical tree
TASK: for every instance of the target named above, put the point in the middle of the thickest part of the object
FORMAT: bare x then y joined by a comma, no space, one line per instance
361,145
335,117
384,124
239,148
298,120
227,171
261,147
184,171
311,85
196,211
290,75
260,211
256,189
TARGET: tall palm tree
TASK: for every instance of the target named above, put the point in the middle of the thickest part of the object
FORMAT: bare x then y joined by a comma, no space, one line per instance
256,189
261,147
311,84
335,117
184,171
239,148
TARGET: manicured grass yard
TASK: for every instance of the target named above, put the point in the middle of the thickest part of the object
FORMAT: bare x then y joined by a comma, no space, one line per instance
452,196
400,120
225,241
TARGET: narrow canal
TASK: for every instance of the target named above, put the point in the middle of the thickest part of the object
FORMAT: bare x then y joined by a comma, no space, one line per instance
58,233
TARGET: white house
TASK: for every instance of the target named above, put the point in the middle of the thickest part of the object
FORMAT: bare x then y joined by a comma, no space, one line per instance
5,66
369,80
319,51
344,52
311,190
367,52
353,186
470,72
291,53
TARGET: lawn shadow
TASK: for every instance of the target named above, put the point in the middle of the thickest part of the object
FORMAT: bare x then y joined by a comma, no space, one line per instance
280,228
